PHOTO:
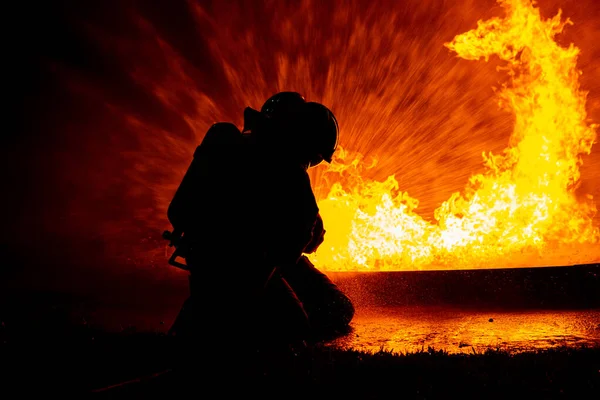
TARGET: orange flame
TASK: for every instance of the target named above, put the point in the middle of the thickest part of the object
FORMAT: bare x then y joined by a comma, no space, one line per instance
520,209
399,95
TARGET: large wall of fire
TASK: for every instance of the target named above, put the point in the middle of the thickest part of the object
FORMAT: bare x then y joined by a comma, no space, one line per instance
418,106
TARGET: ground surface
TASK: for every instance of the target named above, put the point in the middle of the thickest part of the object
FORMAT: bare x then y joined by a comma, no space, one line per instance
136,365
116,347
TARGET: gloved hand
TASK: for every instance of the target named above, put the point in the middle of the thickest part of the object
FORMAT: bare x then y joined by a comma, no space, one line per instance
318,236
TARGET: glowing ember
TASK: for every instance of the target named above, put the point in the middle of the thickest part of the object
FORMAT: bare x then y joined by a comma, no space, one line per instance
522,206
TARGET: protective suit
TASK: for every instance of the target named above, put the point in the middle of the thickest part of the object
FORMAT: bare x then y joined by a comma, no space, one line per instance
245,214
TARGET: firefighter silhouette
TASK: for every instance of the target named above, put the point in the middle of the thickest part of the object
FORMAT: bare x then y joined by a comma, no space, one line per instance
245,216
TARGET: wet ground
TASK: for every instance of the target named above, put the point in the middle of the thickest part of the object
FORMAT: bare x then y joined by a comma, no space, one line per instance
410,329
460,311
472,310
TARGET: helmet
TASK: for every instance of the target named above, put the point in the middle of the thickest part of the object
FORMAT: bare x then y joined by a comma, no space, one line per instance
313,129
282,105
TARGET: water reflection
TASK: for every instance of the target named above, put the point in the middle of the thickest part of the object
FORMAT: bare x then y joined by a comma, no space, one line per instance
403,329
